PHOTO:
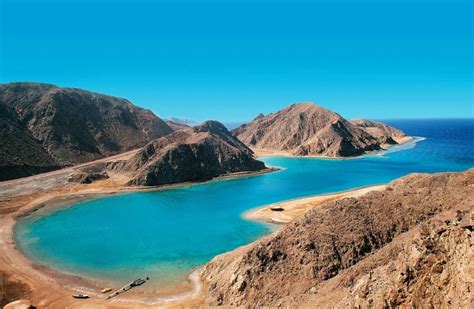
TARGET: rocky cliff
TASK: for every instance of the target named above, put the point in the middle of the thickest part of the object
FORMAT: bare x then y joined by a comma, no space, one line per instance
44,127
307,129
191,154
409,245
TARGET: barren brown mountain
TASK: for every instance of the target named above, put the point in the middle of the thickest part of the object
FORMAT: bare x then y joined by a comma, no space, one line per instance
190,154
45,127
307,129
409,245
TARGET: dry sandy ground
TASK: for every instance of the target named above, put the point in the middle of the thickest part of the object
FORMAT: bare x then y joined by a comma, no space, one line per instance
284,212
47,181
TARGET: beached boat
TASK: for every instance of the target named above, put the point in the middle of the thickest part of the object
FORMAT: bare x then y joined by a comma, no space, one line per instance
137,282
80,296
277,208
105,290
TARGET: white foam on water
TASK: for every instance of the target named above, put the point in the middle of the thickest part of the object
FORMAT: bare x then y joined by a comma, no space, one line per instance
397,148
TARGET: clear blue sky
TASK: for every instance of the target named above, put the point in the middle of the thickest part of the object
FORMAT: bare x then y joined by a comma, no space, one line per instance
230,60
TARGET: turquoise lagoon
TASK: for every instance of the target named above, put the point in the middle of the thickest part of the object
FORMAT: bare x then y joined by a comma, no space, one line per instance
165,234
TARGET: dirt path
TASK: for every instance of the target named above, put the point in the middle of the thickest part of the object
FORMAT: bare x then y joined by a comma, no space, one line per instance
47,181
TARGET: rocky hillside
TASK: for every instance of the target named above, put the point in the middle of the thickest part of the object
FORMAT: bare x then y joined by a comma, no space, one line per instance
191,154
307,129
44,127
384,134
409,245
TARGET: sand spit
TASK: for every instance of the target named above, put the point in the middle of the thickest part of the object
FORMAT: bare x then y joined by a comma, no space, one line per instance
284,212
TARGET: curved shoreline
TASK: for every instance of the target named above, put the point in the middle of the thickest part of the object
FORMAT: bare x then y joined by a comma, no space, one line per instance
70,284
288,210
49,287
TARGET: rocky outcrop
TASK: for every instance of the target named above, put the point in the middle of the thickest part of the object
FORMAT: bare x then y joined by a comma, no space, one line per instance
191,154
384,134
307,129
11,289
407,245
84,177
45,127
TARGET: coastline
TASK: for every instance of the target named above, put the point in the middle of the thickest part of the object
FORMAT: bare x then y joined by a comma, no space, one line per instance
48,286
285,211
283,153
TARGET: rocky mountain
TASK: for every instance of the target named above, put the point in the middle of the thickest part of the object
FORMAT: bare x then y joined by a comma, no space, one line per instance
191,154
45,127
307,129
409,245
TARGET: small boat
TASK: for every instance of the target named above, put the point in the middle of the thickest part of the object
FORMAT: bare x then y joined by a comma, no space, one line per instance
137,282
80,296
105,290
277,208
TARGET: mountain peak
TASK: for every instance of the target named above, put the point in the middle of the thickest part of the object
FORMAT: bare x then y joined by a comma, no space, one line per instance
309,129
211,126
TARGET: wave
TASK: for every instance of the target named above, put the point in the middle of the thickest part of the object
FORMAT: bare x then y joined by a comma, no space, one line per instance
406,146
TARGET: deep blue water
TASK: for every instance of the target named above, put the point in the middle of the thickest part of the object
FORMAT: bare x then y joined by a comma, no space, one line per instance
164,234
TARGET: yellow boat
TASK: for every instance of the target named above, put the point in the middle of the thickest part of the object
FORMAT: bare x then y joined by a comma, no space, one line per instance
105,290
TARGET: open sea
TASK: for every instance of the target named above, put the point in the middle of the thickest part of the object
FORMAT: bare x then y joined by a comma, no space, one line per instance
165,234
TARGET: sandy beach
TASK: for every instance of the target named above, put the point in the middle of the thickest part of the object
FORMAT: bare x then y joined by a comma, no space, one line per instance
286,211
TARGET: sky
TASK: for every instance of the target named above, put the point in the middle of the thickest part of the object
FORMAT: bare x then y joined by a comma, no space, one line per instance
230,60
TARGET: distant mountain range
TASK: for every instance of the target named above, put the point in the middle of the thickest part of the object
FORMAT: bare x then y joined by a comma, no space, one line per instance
183,121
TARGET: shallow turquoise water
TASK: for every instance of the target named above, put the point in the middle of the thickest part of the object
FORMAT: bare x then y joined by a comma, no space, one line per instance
165,234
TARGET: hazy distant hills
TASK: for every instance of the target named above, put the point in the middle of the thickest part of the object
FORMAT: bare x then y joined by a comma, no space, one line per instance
190,154
44,127
307,129
182,121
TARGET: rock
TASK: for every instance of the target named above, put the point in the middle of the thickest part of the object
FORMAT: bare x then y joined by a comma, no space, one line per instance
87,177
192,154
383,246
44,127
384,134
307,129
19,304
